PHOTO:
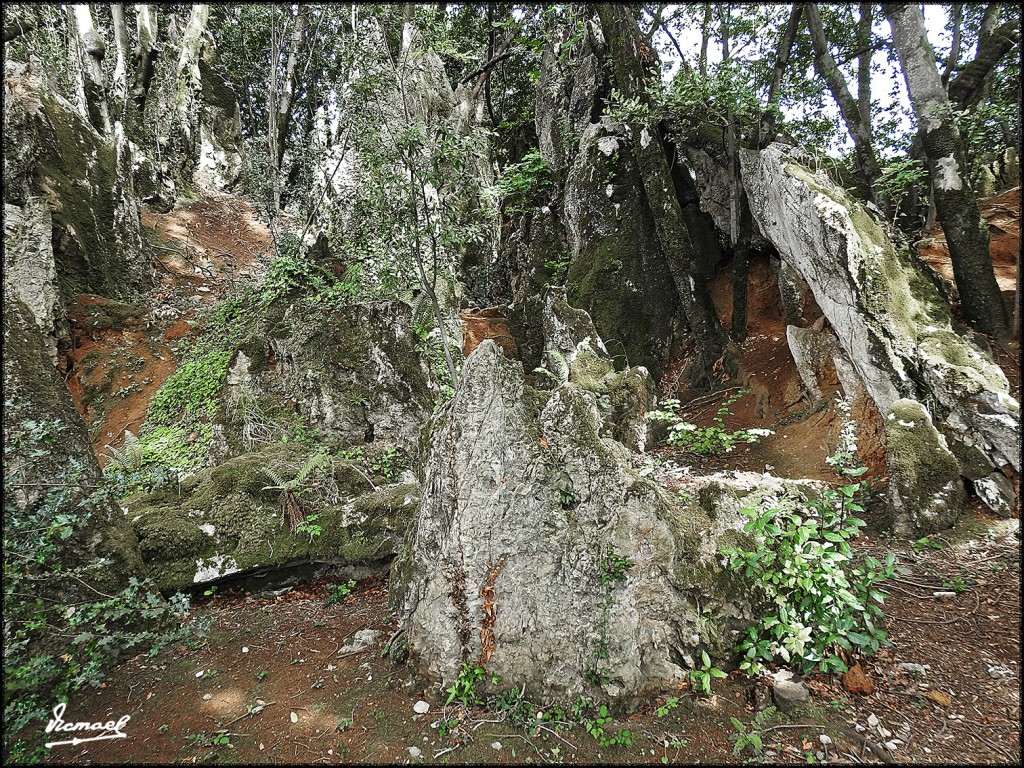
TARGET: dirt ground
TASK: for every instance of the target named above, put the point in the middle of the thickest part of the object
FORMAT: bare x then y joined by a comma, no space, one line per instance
273,682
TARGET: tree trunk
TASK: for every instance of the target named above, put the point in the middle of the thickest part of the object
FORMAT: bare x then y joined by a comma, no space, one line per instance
119,79
956,19
91,53
621,37
705,33
145,54
864,66
826,66
966,232
766,126
967,88
286,97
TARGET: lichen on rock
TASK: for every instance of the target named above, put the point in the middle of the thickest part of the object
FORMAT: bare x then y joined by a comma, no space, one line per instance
926,493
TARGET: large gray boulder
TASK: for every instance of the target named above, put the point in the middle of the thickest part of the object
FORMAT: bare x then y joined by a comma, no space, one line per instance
889,318
71,217
512,561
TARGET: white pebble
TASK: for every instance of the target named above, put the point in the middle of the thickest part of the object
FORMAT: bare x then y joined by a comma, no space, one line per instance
207,696
421,707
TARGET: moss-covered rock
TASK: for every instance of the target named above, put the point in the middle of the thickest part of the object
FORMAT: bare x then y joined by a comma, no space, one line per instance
895,328
926,493
56,474
229,520
619,274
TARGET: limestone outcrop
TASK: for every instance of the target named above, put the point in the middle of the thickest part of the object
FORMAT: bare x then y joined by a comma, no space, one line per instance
541,554
888,317
353,372
617,271
49,467
228,520
71,217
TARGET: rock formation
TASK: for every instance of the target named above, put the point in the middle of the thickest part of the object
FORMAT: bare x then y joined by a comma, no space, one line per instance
541,554
228,520
354,372
889,318
71,218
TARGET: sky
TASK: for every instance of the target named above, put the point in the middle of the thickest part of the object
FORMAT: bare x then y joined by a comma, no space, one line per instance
887,85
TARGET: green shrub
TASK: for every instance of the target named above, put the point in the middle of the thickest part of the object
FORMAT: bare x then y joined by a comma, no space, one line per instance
712,440
60,632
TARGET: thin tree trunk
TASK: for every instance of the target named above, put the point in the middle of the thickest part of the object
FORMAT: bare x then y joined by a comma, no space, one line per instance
968,88
622,35
966,232
91,50
145,55
272,133
956,18
766,126
119,79
705,34
864,65
286,98
826,66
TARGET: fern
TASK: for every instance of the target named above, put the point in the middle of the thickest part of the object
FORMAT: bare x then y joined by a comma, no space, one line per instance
129,458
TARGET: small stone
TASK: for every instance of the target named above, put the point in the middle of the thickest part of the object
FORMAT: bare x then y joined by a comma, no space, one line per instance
891,745
207,696
789,693
906,666
245,649
293,717
856,680
414,752
997,671
495,745
872,720
421,707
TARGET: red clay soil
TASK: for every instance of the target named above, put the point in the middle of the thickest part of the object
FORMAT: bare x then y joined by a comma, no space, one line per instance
115,368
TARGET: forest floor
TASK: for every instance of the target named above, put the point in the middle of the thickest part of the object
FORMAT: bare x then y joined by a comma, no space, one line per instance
275,681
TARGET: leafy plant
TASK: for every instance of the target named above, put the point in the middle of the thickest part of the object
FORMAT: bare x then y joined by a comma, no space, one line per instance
820,603
596,725
522,185
670,703
711,440
464,688
339,592
567,496
704,674
614,569
62,631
